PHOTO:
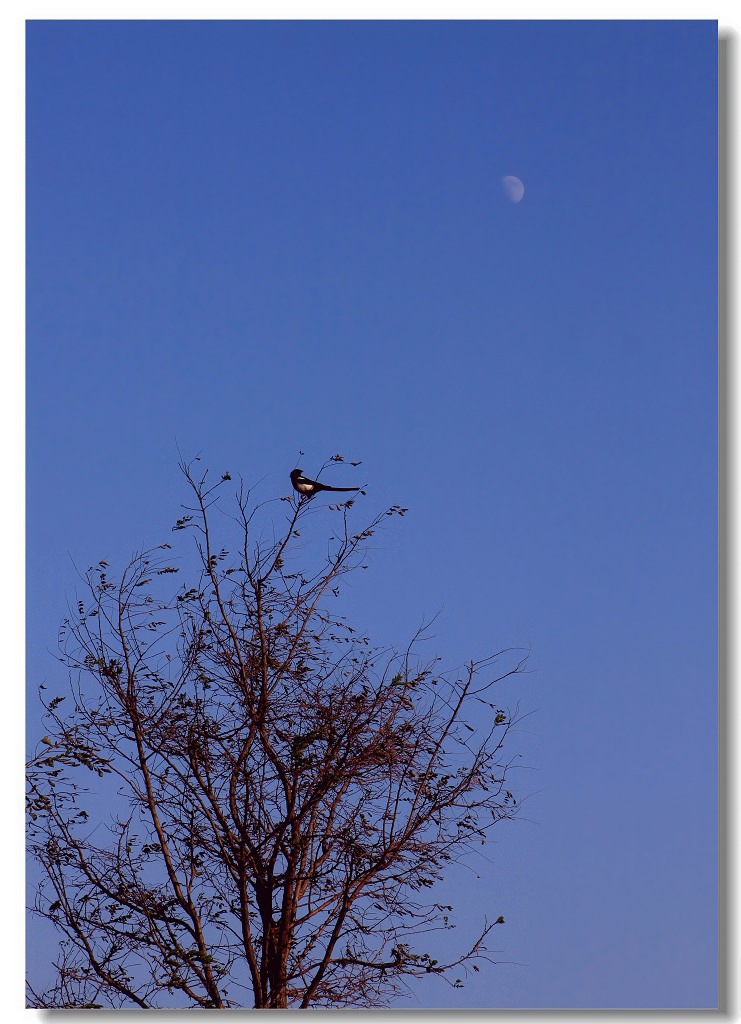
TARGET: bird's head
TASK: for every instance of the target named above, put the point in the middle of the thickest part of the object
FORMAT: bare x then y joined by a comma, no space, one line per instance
296,473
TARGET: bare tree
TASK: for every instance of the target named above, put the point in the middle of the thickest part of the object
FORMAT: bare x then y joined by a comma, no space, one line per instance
279,799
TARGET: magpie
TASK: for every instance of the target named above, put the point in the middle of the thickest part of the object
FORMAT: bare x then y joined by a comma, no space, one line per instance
308,488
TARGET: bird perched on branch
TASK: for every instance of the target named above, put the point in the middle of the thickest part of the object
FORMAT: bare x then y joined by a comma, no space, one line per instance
308,488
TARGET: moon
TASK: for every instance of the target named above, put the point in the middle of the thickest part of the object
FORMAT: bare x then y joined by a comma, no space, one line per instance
514,190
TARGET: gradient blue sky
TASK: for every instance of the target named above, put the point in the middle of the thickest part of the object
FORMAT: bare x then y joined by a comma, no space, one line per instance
254,238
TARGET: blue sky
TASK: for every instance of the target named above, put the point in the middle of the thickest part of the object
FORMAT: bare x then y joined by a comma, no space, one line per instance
248,239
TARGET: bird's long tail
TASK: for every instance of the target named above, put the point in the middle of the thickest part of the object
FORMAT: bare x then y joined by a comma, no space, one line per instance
326,487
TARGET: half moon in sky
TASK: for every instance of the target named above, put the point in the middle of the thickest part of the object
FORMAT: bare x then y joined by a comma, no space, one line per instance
513,188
